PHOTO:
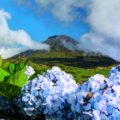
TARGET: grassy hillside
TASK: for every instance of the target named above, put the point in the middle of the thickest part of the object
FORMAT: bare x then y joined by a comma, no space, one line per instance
80,69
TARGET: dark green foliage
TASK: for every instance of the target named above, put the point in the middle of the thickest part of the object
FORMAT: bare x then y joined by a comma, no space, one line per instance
9,90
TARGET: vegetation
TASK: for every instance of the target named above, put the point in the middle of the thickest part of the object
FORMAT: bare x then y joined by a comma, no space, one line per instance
12,78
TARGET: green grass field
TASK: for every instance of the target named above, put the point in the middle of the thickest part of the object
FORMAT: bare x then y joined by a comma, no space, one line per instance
81,68
80,74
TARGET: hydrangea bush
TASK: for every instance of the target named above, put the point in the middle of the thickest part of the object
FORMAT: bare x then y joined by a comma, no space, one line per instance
99,97
47,94
57,96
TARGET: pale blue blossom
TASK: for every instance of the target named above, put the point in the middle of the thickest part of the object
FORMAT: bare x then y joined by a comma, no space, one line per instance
30,71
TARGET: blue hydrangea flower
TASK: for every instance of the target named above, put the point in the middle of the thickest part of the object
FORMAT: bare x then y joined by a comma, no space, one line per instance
30,71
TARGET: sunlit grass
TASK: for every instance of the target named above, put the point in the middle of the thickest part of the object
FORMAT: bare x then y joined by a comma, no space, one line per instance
82,74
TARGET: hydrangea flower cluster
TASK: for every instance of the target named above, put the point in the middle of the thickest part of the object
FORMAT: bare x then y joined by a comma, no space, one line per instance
99,97
47,94
61,80
30,71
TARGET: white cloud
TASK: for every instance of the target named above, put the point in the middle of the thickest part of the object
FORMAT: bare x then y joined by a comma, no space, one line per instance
9,52
63,10
13,42
104,19
98,44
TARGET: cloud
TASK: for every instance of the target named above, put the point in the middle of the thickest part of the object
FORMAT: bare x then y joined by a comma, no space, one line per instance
63,10
95,43
104,17
9,52
13,42
104,37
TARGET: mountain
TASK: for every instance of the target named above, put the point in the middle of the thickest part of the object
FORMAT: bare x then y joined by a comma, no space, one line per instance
61,43
64,50
58,44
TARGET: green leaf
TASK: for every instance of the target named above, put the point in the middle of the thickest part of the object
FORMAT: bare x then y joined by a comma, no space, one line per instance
12,68
19,78
3,74
10,91
19,66
33,76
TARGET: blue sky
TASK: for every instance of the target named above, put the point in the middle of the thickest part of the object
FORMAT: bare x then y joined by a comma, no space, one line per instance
43,26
